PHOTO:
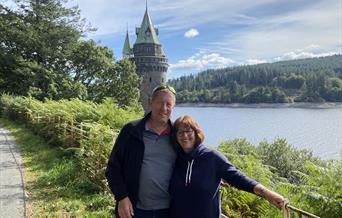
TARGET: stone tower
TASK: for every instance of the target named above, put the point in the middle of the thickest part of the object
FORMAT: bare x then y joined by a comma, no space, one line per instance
149,58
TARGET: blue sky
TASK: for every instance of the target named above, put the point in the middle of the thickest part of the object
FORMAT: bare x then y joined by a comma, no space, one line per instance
201,34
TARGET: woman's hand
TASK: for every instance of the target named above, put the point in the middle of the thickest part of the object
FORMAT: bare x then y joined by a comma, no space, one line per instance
273,197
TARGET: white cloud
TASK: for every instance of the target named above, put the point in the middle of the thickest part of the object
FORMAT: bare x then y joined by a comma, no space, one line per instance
201,61
255,61
301,55
216,60
313,47
310,51
316,28
191,33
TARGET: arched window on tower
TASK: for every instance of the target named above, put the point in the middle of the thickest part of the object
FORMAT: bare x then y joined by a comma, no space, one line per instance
150,79
162,80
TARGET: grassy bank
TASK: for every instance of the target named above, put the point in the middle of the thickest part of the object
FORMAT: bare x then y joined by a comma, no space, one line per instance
54,183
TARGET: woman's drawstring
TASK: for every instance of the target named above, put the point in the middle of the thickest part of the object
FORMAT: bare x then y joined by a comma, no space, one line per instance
188,173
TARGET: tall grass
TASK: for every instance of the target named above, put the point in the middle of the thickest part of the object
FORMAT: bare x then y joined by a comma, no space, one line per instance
55,185
68,152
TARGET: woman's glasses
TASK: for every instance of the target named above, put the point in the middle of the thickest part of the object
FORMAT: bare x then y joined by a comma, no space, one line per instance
186,132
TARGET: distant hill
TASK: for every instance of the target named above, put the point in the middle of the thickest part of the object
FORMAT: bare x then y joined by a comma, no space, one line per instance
304,80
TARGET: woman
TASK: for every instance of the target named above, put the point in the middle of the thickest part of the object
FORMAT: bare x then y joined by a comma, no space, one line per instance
198,171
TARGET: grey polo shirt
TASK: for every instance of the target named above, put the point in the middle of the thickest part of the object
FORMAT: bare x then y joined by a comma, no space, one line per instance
156,171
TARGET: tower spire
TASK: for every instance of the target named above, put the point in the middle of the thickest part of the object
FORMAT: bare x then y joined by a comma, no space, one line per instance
147,33
126,52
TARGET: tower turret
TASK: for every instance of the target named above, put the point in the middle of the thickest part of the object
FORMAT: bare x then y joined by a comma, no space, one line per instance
127,50
150,60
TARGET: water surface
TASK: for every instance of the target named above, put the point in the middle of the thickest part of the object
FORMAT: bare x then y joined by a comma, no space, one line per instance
317,129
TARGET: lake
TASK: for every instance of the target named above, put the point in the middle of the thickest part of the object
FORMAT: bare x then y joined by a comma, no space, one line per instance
317,129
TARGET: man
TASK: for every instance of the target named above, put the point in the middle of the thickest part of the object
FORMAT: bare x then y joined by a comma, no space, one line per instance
142,160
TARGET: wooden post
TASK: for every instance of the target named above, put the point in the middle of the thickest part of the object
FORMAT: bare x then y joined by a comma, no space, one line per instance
64,131
72,130
80,135
59,123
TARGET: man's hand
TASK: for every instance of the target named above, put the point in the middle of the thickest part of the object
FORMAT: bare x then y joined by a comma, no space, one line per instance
125,208
273,197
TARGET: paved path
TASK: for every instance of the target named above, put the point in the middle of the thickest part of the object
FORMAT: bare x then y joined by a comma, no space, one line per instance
12,196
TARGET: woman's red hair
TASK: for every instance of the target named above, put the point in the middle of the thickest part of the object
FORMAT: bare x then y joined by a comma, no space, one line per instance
189,122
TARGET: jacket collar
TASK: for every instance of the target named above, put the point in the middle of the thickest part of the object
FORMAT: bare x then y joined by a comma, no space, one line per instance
193,154
140,126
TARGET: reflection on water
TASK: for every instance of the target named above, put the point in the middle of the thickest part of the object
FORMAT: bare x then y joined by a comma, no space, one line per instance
317,129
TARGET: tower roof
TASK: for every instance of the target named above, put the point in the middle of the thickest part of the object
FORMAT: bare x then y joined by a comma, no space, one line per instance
127,46
147,33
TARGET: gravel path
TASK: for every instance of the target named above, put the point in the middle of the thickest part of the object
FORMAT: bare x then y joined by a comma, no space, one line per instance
12,195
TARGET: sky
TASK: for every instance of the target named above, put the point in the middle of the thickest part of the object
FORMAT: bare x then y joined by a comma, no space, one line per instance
200,34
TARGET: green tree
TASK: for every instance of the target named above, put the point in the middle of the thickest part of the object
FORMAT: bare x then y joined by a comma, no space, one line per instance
36,40
89,62
119,82
43,54
333,89
294,82
278,95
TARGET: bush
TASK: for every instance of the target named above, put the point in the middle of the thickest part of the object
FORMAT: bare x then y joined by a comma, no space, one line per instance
308,182
83,129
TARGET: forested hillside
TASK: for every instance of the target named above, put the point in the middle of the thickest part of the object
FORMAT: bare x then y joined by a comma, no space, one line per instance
305,80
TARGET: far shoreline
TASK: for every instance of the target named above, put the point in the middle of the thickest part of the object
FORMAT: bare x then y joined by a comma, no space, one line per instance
305,105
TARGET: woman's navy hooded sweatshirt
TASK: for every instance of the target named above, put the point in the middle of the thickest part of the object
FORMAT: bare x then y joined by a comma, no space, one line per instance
195,182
